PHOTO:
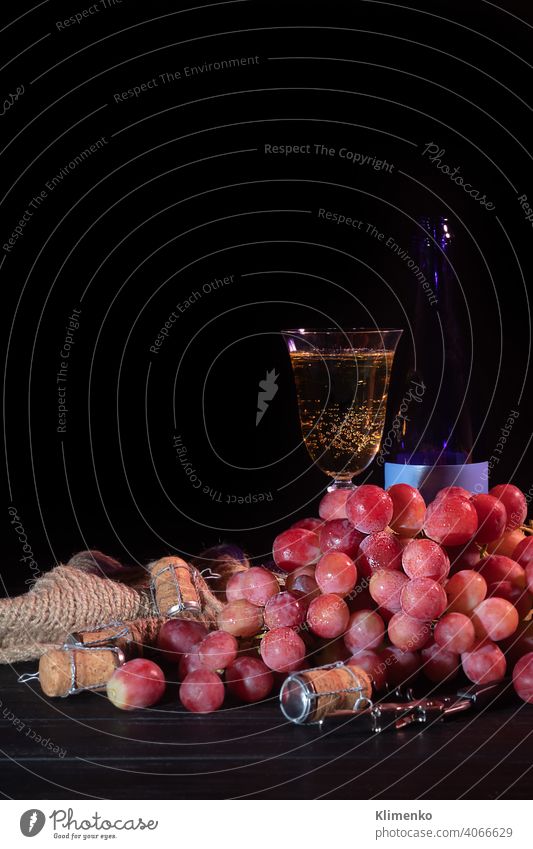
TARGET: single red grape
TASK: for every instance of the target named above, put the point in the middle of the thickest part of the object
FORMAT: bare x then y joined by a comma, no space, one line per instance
294,548
282,649
495,618
385,588
514,501
371,662
259,584
179,636
304,585
249,679
523,678
381,550
407,633
465,590
451,520
496,568
424,599
369,508
400,666
328,616
285,610
409,509
137,683
366,630
218,650
340,535
423,558
240,618
484,664
521,599
507,543
523,553
333,504
439,664
491,516
234,587
201,691
455,633
336,573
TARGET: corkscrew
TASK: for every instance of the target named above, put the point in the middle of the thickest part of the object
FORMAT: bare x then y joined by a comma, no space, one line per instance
397,715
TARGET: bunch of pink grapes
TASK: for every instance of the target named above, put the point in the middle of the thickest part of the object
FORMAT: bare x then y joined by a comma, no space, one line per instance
402,588
380,580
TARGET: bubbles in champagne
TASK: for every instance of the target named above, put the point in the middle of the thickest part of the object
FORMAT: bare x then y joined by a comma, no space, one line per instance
342,403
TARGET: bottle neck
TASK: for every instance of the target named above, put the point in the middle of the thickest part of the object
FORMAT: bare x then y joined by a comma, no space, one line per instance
437,430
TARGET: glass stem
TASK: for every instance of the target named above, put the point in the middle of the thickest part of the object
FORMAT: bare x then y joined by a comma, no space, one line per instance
341,483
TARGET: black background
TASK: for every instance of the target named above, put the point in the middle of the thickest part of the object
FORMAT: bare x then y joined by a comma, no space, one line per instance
182,193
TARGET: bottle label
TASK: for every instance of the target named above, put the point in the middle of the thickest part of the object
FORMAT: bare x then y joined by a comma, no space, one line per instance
430,479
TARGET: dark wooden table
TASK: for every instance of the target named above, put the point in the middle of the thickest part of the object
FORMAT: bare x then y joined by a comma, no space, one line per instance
89,749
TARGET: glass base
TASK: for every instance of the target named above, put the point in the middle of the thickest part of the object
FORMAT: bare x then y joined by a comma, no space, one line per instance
344,483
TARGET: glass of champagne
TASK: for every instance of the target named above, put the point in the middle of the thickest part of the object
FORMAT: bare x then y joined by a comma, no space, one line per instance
342,379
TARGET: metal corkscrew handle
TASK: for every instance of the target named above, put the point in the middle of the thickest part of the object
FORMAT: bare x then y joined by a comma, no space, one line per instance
393,716
388,716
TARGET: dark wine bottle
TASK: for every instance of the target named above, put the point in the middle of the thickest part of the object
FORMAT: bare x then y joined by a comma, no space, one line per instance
430,443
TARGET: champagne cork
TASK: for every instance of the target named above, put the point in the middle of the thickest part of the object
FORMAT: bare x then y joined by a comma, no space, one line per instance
66,671
312,695
132,638
174,587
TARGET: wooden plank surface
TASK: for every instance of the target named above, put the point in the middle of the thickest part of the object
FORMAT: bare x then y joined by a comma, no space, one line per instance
88,749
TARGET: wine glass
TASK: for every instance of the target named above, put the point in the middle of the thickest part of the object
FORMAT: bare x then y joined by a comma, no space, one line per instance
342,379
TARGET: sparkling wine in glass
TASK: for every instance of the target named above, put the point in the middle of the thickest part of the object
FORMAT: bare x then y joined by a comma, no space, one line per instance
342,378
